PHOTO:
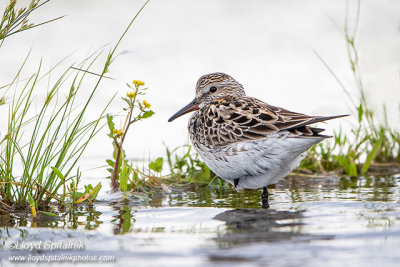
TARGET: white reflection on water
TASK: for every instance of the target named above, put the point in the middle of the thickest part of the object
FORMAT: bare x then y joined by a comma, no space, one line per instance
266,45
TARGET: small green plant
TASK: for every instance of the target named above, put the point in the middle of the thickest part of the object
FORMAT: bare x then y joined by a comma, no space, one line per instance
185,166
137,110
157,165
70,195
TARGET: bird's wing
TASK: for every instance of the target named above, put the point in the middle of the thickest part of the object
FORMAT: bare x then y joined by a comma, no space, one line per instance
234,119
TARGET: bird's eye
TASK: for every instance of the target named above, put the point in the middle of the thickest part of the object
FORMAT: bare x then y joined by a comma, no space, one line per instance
213,89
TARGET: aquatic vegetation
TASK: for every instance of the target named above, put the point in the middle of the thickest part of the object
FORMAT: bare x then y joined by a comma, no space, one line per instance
137,110
45,138
185,166
58,135
370,141
185,169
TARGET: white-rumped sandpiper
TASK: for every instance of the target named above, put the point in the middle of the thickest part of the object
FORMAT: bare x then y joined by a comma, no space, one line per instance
246,141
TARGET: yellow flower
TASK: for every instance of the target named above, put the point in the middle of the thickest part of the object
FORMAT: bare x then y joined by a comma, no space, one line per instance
138,82
146,104
131,94
118,133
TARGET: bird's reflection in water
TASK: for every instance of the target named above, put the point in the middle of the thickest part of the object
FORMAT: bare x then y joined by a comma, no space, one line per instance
245,226
253,225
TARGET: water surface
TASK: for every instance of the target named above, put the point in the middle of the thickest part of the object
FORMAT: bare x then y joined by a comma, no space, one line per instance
312,221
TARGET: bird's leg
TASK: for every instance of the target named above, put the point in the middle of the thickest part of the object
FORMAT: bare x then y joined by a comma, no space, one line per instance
236,182
264,198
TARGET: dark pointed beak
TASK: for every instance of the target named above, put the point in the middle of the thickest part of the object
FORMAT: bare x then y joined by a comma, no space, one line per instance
192,106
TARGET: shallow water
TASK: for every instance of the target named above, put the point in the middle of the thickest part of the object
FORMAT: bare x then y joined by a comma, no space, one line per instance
312,221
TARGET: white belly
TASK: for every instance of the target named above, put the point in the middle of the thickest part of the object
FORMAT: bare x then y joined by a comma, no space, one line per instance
257,163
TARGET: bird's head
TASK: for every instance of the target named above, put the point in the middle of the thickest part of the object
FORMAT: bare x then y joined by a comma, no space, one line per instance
210,87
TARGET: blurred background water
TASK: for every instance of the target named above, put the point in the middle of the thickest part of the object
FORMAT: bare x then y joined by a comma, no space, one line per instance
268,46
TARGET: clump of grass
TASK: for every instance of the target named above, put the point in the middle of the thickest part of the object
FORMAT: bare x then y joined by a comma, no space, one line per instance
48,144
370,142
58,135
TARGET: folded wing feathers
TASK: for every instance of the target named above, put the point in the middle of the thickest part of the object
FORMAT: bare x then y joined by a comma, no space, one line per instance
255,119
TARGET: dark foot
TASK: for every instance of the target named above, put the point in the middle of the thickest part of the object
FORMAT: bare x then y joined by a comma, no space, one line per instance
235,182
264,198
